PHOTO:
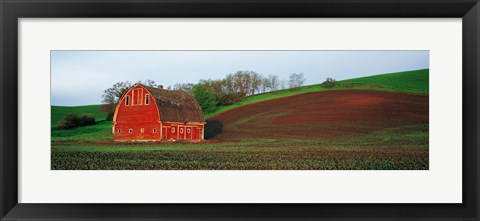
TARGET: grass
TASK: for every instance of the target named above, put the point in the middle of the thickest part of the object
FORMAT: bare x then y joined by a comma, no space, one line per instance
101,131
401,148
58,112
415,82
98,132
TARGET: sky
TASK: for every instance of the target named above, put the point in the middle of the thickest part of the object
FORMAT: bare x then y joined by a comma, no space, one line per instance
80,77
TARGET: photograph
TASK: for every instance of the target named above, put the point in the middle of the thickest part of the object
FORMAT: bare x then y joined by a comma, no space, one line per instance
239,110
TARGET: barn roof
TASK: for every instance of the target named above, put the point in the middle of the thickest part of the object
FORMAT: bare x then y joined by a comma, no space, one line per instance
176,105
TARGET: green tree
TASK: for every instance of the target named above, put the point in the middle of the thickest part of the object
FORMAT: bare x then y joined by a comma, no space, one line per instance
205,98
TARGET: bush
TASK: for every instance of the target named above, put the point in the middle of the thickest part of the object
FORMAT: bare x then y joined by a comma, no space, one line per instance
76,120
63,124
86,119
330,82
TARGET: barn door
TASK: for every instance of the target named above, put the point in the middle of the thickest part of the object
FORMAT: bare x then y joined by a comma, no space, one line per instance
181,132
189,133
164,133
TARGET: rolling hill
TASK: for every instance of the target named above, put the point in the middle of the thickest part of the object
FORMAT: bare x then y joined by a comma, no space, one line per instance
324,114
416,82
413,82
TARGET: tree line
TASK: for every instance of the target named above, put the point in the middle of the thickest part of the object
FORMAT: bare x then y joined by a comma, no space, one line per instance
213,93
236,87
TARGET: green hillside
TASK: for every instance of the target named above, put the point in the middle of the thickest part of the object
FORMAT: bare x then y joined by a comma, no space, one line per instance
58,112
409,81
98,132
415,82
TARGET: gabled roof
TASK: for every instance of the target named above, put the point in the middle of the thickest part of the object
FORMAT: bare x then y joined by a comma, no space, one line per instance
176,105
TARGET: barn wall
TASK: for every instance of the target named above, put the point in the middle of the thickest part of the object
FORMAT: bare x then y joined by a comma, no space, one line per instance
137,121
182,131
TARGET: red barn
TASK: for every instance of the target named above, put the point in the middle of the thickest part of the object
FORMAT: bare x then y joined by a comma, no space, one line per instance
153,114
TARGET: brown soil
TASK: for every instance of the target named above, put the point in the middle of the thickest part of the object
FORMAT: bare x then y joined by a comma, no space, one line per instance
321,114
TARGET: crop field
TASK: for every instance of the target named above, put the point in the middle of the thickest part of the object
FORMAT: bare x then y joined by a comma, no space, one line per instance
394,149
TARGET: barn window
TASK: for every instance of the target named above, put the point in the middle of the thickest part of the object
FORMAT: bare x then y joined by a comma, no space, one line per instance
118,131
147,99
142,130
130,130
188,130
173,129
154,130
181,130
127,100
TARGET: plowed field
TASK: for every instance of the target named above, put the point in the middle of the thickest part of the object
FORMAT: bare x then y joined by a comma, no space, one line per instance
327,115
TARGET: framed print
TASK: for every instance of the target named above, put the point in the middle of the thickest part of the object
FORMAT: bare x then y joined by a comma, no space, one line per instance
239,110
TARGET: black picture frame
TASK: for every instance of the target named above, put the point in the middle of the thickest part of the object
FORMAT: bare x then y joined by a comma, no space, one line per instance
12,10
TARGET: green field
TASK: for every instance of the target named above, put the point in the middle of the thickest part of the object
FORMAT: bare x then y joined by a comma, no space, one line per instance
58,112
102,131
399,147
415,82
